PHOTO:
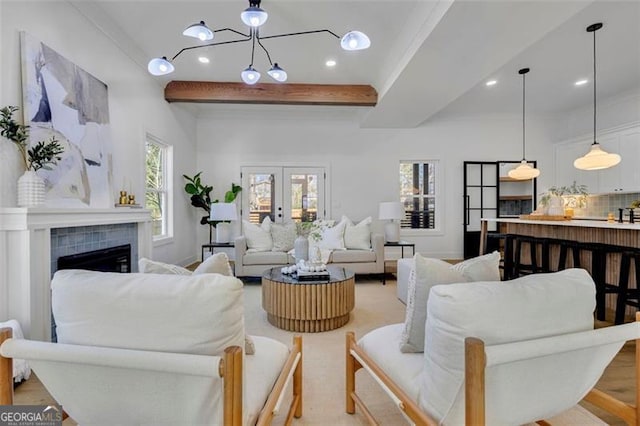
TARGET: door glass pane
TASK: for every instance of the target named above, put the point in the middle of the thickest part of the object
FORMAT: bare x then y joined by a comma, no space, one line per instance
489,197
474,198
261,196
489,172
304,197
473,174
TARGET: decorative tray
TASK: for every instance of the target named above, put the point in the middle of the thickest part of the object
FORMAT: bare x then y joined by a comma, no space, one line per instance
543,217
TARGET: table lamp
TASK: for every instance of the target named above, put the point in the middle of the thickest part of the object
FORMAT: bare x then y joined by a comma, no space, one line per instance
394,212
223,212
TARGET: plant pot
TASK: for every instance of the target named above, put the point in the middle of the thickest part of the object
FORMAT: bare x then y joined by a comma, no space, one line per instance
30,190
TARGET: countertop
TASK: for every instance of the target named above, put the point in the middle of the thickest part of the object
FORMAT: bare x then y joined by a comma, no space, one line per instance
574,222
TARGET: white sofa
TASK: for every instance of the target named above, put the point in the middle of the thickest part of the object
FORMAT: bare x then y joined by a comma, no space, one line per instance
358,261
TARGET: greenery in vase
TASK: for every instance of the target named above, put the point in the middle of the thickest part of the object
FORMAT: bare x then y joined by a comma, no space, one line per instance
577,193
201,195
42,155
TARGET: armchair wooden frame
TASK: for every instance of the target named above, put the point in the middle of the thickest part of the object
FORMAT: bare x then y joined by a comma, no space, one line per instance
230,367
475,366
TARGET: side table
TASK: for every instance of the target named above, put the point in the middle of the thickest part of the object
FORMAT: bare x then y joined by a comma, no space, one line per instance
212,246
402,245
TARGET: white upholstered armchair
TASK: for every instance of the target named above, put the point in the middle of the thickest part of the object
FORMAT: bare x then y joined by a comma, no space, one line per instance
156,349
497,353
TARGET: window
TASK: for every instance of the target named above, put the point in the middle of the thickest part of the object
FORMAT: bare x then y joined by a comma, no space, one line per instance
419,194
158,194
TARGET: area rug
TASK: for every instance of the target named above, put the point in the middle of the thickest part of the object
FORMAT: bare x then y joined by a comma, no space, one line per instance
324,360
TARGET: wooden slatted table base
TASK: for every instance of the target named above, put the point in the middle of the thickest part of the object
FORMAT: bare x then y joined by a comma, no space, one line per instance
308,308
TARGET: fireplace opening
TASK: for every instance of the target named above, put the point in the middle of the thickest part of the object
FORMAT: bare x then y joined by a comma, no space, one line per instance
112,259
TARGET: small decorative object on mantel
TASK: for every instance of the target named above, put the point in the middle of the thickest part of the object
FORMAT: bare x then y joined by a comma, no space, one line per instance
42,155
127,201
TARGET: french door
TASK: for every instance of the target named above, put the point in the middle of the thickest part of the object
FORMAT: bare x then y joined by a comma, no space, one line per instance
480,201
283,193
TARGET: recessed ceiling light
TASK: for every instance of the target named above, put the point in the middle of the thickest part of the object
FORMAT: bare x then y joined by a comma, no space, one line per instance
581,82
203,59
491,83
330,63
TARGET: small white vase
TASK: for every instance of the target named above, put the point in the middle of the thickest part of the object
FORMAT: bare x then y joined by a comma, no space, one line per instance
301,248
30,190
556,206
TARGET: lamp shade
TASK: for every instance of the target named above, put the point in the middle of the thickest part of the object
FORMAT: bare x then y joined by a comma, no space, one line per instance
355,40
223,211
596,159
277,73
160,66
199,31
524,171
253,16
391,210
250,75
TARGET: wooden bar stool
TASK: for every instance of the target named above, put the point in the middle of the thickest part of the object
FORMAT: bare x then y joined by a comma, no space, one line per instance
534,266
626,295
566,245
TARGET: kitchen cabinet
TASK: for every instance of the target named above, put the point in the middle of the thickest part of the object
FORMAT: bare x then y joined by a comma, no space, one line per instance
625,177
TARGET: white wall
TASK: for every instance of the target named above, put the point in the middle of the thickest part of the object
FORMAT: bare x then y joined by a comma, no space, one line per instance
363,162
136,106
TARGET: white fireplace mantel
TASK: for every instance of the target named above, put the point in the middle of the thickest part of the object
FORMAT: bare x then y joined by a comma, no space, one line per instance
25,257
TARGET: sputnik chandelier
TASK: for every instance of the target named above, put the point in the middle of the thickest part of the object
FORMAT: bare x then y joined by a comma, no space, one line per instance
254,17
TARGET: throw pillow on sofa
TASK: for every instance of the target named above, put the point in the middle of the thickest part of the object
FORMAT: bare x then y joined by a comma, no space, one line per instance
258,236
283,236
427,273
148,266
333,237
215,264
357,237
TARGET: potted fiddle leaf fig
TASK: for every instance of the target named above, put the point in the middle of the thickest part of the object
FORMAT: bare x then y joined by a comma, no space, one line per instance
201,197
42,155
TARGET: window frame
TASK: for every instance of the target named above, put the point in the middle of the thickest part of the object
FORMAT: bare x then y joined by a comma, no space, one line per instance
438,198
167,188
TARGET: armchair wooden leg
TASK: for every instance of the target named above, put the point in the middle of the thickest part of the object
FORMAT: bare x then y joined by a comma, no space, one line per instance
352,367
232,373
6,371
475,362
297,378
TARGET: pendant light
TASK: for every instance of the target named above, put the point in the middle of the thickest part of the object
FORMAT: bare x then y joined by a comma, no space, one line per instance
596,158
524,171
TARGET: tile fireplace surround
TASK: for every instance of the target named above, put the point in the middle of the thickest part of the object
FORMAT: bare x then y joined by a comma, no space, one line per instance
25,257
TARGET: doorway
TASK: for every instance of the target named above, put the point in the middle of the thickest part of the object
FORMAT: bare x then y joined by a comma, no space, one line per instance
284,194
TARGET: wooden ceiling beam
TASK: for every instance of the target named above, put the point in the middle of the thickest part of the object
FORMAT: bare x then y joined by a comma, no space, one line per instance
283,94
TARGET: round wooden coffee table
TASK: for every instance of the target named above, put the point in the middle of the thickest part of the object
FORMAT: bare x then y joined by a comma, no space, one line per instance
308,306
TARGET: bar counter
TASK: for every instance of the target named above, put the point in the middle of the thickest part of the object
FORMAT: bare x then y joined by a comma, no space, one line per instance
582,231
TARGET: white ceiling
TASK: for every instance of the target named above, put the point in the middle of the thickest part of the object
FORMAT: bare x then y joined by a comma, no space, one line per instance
426,57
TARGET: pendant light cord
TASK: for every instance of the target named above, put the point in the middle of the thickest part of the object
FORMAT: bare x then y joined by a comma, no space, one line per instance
594,88
523,122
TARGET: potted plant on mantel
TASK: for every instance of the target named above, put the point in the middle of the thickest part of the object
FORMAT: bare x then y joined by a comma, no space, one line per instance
201,197
42,155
